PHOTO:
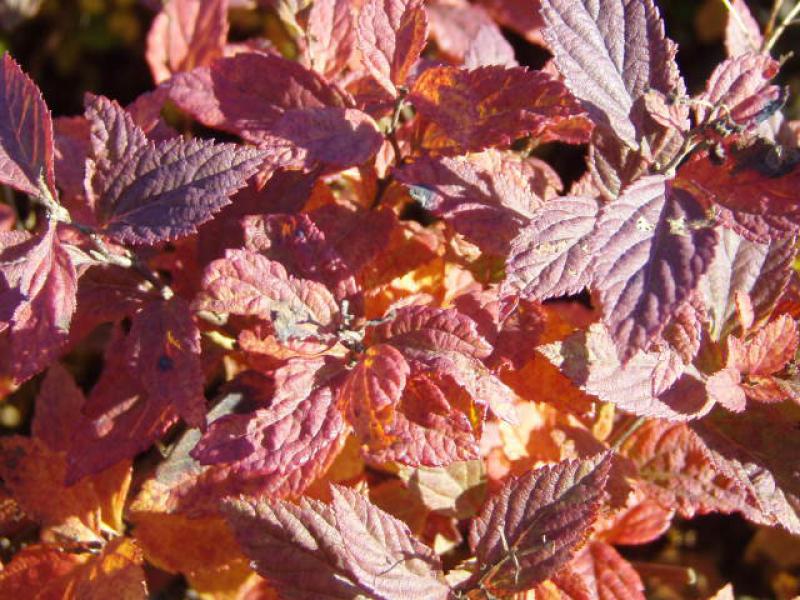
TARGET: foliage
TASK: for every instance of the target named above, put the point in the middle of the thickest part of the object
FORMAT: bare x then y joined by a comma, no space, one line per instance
383,349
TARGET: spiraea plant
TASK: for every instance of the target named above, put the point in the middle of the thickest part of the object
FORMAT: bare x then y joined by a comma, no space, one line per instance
358,339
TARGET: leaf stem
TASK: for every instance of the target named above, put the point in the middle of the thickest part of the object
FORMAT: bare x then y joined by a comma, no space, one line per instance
627,433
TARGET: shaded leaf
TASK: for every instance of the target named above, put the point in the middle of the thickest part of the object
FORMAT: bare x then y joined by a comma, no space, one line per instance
607,574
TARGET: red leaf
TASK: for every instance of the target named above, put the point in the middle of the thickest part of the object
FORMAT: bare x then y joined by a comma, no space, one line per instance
121,419
427,428
186,34
680,472
491,106
38,287
331,36
741,266
148,192
724,387
486,197
455,25
391,35
372,390
543,517
58,409
756,449
768,351
432,329
248,93
739,90
550,257
342,550
607,574
649,258
26,133
247,283
650,384
163,353
610,55
337,138
279,450
753,188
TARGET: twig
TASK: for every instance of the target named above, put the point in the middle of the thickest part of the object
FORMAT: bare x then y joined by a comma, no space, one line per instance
627,433
773,18
787,20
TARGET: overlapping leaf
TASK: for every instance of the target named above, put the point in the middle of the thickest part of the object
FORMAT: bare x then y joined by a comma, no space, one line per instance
491,106
391,35
186,34
281,449
38,288
486,197
753,188
345,549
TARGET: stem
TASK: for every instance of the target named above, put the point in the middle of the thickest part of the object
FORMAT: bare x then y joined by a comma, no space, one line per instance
627,433
787,20
773,18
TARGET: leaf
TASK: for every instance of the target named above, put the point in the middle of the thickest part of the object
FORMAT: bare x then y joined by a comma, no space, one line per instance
607,574
432,329
58,409
492,106
38,288
163,353
372,390
186,34
680,472
610,54
160,191
456,490
741,266
486,197
768,351
281,449
41,567
739,91
115,572
382,553
454,25
247,93
26,133
247,283
649,258
121,421
331,36
391,35
550,257
754,448
742,32
337,138
752,188
342,550
651,384
435,423
542,517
